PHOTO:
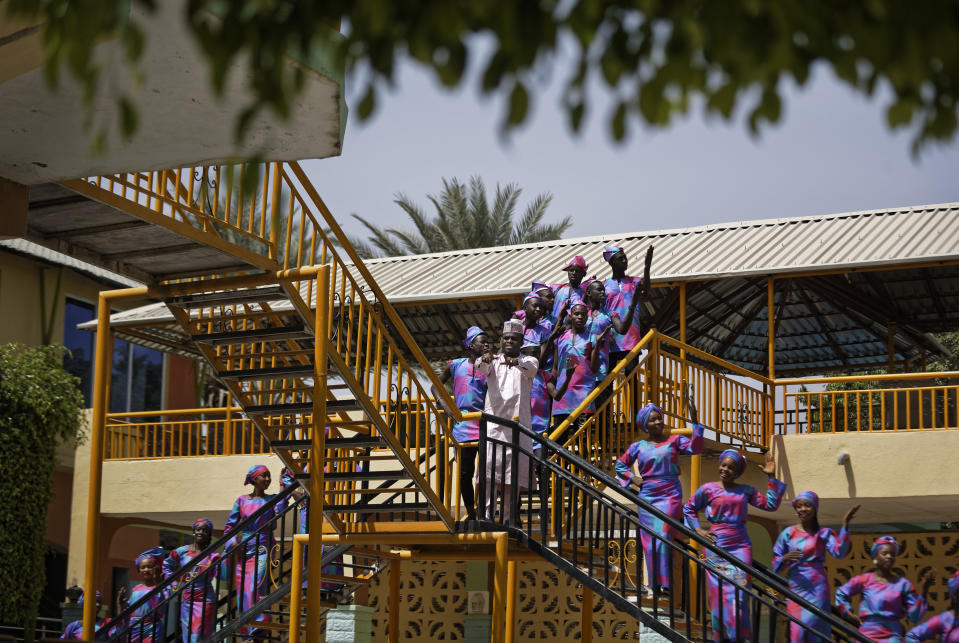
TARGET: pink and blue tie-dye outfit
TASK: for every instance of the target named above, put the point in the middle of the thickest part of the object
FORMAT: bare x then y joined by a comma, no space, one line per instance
563,293
74,630
658,464
540,404
469,393
944,626
144,621
807,576
882,606
619,297
251,572
596,323
727,510
199,597
574,347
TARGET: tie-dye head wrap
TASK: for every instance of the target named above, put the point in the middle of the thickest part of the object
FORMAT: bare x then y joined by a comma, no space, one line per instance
156,554
953,585
80,600
531,295
642,417
539,285
471,334
884,540
576,261
575,300
736,456
203,521
609,251
810,496
255,470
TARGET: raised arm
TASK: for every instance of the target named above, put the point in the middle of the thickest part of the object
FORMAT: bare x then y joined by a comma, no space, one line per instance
914,601
770,500
694,444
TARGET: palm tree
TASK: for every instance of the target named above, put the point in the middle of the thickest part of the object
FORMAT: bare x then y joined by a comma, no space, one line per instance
464,219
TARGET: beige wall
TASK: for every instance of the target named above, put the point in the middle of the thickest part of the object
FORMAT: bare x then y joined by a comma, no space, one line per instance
895,476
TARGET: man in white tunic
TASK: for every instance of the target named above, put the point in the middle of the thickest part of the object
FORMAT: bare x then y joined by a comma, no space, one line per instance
509,380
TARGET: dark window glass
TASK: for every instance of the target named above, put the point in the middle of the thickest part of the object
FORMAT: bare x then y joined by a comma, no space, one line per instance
79,361
146,379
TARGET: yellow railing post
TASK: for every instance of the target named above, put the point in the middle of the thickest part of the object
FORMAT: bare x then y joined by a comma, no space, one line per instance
499,588
317,458
228,431
771,325
296,590
511,582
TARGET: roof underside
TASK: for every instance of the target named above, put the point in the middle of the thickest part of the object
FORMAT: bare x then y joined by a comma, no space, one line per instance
826,322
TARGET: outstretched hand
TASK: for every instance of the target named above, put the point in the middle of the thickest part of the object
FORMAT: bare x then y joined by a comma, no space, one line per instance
849,516
926,580
691,409
488,356
769,466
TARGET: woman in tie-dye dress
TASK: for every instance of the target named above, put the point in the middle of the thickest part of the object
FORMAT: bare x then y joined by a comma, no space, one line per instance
943,627
800,552
199,597
74,629
253,545
145,622
886,597
657,460
727,505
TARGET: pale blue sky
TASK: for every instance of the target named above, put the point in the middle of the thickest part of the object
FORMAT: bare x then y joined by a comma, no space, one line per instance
830,153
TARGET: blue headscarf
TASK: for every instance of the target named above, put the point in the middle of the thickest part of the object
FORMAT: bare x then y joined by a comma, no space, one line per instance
531,295
609,251
156,554
539,285
203,521
884,540
254,471
810,496
642,417
737,457
471,334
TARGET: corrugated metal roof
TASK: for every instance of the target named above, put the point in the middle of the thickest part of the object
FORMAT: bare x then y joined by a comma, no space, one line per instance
770,246
30,249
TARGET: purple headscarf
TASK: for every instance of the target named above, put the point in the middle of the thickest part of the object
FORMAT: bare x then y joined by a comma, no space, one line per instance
156,554
531,295
539,285
609,251
810,496
471,334
884,540
737,457
203,521
642,417
255,470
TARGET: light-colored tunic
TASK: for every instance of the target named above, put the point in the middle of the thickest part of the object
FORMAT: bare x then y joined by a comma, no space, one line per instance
508,396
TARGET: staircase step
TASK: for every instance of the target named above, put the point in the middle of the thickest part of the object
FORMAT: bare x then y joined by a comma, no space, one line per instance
396,474
332,406
373,509
358,442
246,374
247,295
254,335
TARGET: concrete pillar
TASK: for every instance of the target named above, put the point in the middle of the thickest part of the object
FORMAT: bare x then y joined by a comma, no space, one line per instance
349,624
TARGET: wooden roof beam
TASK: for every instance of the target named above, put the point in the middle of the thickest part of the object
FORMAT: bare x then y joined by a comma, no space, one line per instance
821,322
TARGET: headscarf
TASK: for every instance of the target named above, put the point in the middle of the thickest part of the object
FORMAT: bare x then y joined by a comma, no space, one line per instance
642,417
576,300
810,496
737,457
471,334
539,285
609,251
576,261
80,600
203,521
953,584
513,327
884,540
531,295
156,554
255,470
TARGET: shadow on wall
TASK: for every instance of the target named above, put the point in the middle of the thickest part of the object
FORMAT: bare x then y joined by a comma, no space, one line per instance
843,459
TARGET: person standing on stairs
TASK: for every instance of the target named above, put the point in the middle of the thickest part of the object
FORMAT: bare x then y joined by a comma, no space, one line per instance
545,294
74,629
800,551
469,393
576,269
886,597
623,293
198,599
727,506
657,460
944,626
510,377
252,546
145,623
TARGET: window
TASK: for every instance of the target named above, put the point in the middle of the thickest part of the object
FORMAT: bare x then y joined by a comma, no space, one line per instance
137,380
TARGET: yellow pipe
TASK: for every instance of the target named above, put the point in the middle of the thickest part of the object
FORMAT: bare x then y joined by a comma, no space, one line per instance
771,325
868,378
511,582
500,577
103,367
586,616
386,538
296,590
317,455
393,628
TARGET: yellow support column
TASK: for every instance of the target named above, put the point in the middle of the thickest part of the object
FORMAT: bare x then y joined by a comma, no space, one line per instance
771,328
296,585
317,458
586,616
393,626
511,581
500,577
